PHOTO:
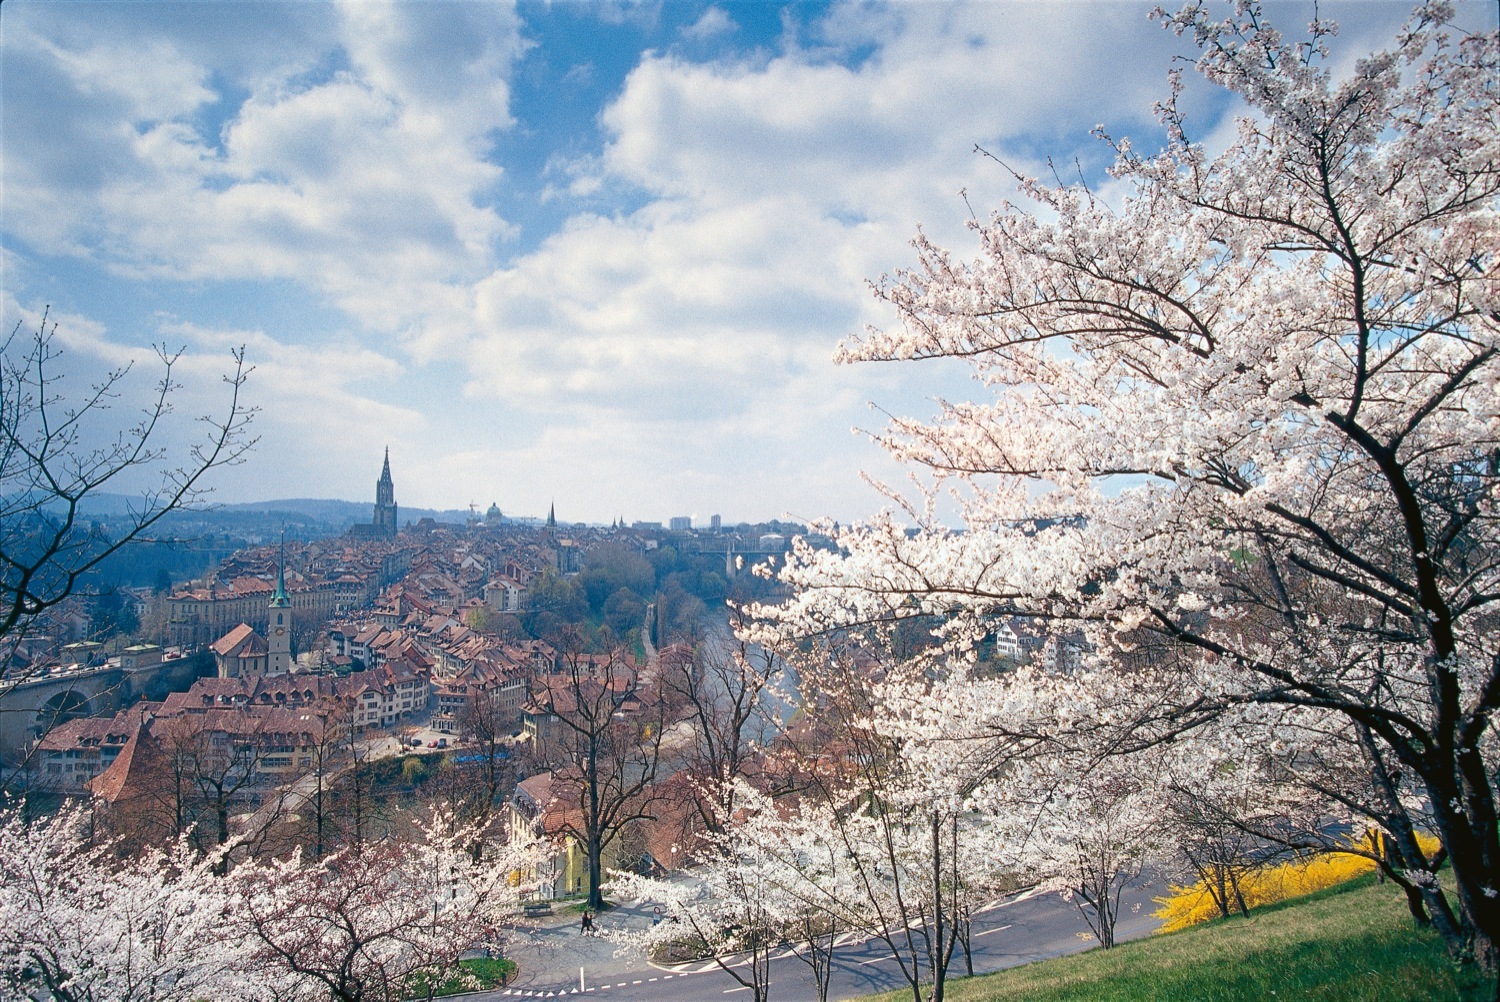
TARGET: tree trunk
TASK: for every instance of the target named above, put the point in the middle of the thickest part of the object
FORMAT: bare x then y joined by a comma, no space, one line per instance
1239,896
1471,855
596,873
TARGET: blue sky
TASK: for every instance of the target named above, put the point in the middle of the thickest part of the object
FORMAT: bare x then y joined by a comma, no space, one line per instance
592,253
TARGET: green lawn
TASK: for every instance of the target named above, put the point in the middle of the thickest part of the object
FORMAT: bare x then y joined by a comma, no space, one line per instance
483,972
1352,943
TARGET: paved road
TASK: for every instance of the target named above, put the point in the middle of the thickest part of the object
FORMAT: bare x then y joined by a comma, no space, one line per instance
1011,931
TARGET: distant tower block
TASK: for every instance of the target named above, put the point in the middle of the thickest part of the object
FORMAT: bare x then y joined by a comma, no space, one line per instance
385,500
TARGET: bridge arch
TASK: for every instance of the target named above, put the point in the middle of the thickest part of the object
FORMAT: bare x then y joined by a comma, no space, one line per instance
66,705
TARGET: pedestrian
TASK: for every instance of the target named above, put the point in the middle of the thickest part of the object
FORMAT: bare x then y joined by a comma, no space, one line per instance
587,924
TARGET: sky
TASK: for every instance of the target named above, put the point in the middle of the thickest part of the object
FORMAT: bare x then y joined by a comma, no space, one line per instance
592,255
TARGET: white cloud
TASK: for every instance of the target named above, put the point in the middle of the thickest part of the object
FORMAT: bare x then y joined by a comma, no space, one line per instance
779,186
362,183
669,341
153,79
713,23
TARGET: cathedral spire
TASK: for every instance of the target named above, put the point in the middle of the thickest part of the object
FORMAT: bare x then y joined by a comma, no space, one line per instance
385,500
552,516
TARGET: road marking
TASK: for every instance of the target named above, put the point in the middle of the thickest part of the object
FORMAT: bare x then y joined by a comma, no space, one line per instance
653,979
877,960
731,991
998,928
706,968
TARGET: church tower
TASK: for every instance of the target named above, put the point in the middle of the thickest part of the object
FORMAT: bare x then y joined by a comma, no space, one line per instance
385,500
279,634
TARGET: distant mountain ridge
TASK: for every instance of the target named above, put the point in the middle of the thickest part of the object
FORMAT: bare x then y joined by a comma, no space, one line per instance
351,511
328,510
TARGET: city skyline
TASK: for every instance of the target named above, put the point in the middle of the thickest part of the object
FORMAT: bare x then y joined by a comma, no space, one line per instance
596,255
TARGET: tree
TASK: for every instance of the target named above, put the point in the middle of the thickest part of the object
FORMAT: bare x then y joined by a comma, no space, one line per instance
894,847
1252,800
733,906
471,785
366,921
722,689
79,924
212,762
1247,407
607,723
1093,836
60,448
553,602
353,797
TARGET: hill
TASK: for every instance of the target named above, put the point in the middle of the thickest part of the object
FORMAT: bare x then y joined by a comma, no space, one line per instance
1352,943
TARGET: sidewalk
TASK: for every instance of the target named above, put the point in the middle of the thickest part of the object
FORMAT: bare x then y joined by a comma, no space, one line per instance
551,950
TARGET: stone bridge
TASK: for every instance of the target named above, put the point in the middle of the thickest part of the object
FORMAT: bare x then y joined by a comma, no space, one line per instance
30,707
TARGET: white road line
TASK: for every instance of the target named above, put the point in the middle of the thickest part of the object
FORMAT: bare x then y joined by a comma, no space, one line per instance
998,928
877,960
731,991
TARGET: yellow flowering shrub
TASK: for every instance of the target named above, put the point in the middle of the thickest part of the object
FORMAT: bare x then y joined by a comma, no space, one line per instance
1193,903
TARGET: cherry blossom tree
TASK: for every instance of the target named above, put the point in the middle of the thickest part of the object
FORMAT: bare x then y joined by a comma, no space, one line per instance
80,924
1095,834
1257,787
734,905
888,834
1245,404
364,922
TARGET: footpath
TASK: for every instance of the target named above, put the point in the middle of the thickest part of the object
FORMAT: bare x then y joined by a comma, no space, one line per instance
556,959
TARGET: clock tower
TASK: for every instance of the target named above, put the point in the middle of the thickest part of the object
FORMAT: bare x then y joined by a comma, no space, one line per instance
279,625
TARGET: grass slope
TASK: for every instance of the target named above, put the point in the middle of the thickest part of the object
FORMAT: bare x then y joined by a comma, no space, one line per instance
1352,943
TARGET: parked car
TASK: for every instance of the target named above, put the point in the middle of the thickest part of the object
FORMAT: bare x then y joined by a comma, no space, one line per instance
416,742
442,742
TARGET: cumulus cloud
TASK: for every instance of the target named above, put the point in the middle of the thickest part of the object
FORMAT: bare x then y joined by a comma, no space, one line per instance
777,186
708,234
361,169
713,23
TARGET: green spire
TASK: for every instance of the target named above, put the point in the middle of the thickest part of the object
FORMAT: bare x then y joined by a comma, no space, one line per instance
279,599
